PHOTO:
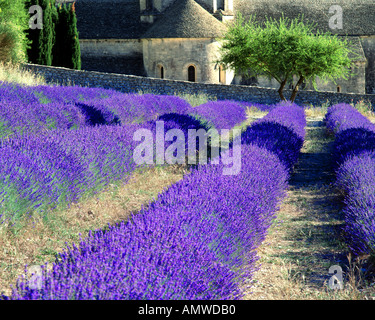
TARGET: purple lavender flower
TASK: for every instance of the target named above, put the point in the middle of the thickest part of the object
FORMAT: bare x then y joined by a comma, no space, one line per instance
354,157
281,131
221,114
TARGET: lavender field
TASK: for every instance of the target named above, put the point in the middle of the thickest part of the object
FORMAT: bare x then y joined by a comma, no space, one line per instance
202,238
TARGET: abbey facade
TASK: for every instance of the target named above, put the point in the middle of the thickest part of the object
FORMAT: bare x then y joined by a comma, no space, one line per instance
178,39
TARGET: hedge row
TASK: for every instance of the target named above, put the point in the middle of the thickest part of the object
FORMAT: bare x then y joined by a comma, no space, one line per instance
354,156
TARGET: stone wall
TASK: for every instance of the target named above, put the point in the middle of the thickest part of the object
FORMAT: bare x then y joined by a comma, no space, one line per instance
176,55
113,56
128,83
368,44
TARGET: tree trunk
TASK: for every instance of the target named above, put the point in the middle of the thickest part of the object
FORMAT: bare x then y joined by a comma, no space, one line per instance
295,90
280,91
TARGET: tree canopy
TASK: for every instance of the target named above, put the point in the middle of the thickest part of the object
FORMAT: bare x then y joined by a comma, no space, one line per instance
57,43
285,50
13,23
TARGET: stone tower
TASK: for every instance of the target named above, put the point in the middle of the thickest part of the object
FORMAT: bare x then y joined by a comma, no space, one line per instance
182,45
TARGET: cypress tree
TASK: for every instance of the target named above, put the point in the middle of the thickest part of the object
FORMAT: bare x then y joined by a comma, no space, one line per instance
68,52
61,43
58,47
73,38
47,34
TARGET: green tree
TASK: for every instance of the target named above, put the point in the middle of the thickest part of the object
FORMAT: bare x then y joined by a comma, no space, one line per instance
47,34
74,46
60,28
68,52
13,23
284,50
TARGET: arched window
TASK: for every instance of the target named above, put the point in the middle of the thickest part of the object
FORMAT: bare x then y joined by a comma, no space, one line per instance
161,71
191,74
338,88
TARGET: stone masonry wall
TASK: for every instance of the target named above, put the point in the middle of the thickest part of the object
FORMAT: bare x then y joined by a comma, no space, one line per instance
368,44
176,55
129,84
113,56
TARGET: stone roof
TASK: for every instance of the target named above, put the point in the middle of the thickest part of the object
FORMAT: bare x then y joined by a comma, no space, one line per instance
358,15
186,19
120,19
109,19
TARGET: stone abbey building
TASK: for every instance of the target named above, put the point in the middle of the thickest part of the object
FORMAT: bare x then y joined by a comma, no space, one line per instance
178,39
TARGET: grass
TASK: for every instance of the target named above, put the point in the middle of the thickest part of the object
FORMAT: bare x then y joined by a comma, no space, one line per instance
316,111
196,99
366,109
15,74
253,113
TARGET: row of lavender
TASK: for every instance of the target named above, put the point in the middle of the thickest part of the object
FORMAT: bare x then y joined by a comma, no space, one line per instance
39,172
354,152
130,108
198,240
35,109
41,108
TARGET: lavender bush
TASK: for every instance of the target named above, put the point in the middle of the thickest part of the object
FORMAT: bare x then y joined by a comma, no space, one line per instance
354,156
281,131
59,166
40,108
55,167
134,108
69,94
20,118
221,114
21,111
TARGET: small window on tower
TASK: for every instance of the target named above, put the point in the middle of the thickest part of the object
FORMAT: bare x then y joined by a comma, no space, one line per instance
338,88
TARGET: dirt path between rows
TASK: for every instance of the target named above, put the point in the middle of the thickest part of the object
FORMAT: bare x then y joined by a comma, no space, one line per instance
304,241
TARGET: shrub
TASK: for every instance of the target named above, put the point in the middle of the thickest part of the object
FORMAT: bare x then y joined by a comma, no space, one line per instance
281,131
